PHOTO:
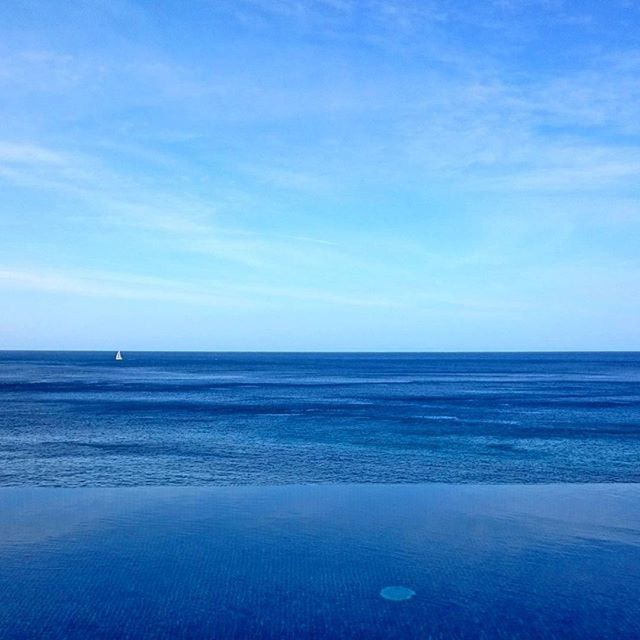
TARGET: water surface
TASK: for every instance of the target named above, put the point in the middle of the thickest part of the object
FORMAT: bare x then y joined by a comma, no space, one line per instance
83,419
536,561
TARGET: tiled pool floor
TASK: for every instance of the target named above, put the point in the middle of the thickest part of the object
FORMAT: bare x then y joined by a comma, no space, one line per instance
537,561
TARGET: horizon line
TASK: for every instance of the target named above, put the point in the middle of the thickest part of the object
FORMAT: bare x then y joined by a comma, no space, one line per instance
311,352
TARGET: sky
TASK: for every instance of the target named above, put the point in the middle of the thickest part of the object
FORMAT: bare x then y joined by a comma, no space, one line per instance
333,175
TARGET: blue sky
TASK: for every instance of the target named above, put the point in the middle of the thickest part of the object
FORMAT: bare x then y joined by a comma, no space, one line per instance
320,175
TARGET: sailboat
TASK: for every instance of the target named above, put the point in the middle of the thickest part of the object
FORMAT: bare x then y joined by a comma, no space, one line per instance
118,356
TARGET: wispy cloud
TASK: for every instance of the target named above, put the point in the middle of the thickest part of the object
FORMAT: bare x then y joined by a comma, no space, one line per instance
12,153
188,223
140,288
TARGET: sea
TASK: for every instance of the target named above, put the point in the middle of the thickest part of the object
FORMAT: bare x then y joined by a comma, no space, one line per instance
83,419
326,496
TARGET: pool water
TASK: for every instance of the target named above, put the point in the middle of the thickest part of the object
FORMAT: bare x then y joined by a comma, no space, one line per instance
477,561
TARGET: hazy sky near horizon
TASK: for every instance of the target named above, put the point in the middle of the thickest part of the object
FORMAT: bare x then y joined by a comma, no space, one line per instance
320,174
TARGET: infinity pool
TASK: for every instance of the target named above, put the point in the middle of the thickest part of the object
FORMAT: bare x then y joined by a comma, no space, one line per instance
465,561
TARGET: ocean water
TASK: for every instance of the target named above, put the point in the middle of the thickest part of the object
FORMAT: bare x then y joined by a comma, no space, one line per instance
531,562
83,419
327,496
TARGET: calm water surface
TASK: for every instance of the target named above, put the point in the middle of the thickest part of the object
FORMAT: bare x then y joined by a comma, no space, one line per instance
82,419
291,562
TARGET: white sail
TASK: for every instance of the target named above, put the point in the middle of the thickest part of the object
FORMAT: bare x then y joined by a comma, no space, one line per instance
118,356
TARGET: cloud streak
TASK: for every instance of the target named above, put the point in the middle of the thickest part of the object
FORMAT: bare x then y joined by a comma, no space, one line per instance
140,288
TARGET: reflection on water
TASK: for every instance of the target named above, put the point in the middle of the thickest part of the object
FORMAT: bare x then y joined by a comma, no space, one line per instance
555,561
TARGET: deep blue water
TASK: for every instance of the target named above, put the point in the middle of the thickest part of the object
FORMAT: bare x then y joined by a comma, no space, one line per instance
458,451
82,419
290,562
